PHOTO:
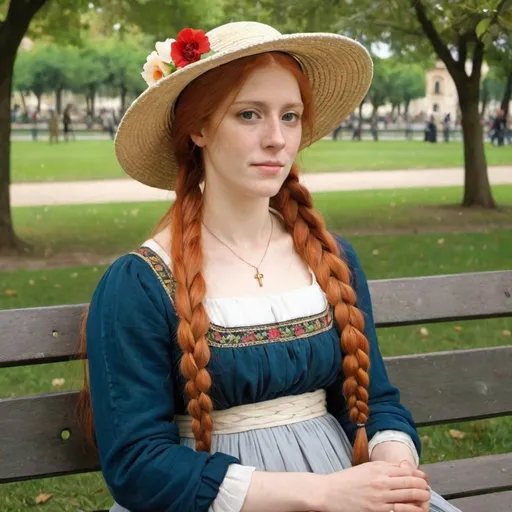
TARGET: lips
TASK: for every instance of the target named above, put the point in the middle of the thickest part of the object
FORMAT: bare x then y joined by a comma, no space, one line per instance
269,163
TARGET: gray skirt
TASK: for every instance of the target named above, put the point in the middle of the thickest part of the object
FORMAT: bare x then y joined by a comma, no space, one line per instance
317,445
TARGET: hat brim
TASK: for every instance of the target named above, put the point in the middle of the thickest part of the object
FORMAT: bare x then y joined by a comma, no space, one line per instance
339,70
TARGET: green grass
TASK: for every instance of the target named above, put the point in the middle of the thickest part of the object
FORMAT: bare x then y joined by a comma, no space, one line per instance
107,229
84,160
444,246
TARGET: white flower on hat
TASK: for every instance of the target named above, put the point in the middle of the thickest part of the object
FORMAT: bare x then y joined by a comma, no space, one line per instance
163,48
155,69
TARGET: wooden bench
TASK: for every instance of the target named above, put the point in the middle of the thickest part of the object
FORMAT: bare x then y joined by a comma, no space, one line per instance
438,387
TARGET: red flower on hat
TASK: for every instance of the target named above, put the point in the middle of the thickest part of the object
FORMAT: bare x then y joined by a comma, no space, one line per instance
190,44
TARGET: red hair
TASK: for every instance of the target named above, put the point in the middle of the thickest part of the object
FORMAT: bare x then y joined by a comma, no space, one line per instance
316,246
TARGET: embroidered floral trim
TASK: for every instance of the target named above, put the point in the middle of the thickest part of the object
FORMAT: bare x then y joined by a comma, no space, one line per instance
275,333
231,337
160,269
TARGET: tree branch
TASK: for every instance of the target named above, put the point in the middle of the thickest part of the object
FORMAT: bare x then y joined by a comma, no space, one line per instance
463,51
433,35
15,25
478,57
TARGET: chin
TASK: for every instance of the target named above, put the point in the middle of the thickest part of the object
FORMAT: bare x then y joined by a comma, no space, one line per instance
266,189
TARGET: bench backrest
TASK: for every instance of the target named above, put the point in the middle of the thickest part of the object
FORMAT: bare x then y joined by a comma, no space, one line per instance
468,384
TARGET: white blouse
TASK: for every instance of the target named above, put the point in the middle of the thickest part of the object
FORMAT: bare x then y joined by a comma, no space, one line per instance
280,307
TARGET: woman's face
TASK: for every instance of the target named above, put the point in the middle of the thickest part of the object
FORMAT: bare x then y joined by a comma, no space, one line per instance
250,149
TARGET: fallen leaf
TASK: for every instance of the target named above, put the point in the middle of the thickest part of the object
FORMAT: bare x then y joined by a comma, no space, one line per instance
95,269
424,332
99,491
375,252
440,241
11,293
74,503
425,438
43,498
58,383
74,275
31,282
456,434
459,328
506,332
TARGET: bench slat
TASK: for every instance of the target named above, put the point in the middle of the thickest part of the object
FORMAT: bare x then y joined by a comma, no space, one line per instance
468,384
457,385
469,477
39,335
497,502
30,437
409,301
50,334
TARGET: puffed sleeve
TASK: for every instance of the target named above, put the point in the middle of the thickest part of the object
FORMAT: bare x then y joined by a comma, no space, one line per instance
386,411
130,332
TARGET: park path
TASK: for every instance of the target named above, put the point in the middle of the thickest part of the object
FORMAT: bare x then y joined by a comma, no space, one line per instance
127,190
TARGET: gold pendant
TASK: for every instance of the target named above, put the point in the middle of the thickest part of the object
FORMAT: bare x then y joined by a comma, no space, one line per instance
259,277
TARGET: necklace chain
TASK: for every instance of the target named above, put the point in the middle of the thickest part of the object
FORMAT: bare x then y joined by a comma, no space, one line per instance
258,276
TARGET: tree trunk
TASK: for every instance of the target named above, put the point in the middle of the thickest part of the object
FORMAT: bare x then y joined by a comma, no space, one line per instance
123,98
38,96
8,241
93,97
477,191
407,103
12,30
485,101
507,95
58,100
24,103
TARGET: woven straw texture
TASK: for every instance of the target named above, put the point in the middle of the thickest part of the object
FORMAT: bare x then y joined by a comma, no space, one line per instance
338,68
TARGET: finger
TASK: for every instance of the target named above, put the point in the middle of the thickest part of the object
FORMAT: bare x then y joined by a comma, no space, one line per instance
398,471
406,507
407,482
407,495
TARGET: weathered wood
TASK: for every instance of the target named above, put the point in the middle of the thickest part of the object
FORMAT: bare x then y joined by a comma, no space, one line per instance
469,477
497,502
468,384
50,334
39,335
458,385
31,438
468,296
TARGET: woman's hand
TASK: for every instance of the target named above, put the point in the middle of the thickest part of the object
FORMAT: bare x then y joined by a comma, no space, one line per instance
376,487
425,505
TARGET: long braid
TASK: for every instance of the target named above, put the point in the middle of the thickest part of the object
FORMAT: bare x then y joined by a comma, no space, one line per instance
320,251
187,260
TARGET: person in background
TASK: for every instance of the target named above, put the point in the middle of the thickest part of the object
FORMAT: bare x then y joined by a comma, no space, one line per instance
53,127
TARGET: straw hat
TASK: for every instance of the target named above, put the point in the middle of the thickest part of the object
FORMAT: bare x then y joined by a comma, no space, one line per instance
338,68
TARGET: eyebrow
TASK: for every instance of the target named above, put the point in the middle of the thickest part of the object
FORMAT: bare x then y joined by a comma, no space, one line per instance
262,104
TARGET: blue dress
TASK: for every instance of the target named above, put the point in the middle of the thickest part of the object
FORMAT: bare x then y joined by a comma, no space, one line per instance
137,390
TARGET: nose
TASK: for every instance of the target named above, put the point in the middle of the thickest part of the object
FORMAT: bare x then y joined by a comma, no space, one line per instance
273,136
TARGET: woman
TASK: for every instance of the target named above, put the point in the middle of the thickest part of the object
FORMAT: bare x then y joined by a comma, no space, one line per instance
215,350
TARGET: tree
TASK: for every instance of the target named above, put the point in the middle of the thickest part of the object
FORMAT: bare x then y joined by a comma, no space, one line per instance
13,27
64,20
381,88
459,33
408,83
